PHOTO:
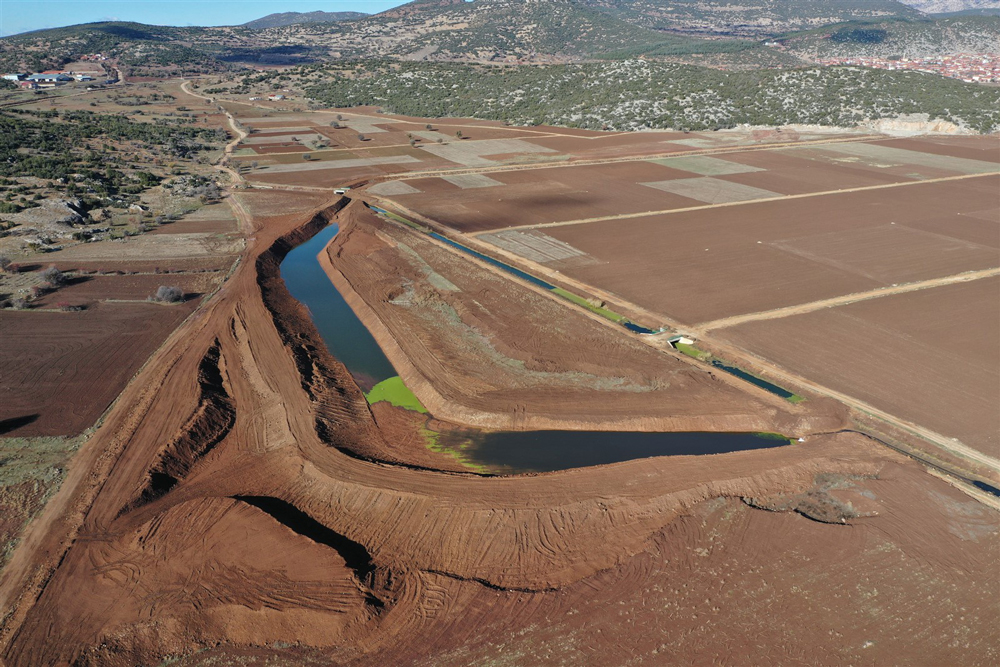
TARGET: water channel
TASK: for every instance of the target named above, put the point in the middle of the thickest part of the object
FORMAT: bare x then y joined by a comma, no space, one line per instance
497,451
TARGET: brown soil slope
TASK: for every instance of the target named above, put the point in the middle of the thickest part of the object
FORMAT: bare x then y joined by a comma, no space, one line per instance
146,554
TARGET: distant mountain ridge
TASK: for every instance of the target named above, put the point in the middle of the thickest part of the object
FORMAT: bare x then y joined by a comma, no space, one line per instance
725,33
951,6
749,17
292,18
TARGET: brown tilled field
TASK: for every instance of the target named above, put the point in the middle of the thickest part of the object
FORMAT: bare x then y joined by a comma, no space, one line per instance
930,356
365,563
702,265
62,370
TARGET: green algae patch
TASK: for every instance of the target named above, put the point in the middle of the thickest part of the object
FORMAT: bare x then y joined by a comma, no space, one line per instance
394,392
768,435
690,350
434,444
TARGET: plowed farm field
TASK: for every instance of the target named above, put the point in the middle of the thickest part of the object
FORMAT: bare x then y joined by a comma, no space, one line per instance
60,371
703,265
930,356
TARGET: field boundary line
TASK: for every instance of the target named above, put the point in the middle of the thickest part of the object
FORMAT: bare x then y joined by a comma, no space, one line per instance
705,207
812,306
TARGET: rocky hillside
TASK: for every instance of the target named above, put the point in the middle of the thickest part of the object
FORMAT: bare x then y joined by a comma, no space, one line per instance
725,33
749,17
951,6
960,34
637,94
291,18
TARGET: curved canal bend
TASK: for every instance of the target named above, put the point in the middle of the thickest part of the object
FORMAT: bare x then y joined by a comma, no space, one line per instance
349,340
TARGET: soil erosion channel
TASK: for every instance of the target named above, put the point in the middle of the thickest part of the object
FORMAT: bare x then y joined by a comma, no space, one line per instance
500,451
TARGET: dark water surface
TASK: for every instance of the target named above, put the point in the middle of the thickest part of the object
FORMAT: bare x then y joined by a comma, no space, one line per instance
546,451
344,334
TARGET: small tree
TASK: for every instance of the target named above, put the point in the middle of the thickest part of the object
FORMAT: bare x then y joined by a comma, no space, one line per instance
361,137
335,125
168,294
4,263
429,126
413,143
340,117
305,156
53,277
458,134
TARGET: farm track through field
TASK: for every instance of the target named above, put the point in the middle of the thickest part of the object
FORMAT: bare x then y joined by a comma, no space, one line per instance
705,207
800,309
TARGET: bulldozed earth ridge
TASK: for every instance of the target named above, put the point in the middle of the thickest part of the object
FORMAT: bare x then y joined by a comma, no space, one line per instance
216,508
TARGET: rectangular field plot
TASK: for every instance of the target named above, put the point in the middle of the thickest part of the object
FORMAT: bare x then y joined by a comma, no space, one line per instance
712,190
559,194
302,138
706,165
985,148
49,361
890,252
470,181
538,196
537,247
696,266
313,165
473,153
888,157
393,188
930,356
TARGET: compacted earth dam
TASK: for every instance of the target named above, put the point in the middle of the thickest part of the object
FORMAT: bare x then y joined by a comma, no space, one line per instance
349,340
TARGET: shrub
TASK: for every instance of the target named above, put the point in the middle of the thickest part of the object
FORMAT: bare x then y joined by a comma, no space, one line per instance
53,277
168,294
5,264
70,307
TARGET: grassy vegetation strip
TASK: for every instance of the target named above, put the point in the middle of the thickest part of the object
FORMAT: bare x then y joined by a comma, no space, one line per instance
690,350
580,301
395,392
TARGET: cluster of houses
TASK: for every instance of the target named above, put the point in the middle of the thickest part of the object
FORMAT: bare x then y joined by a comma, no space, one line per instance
971,68
49,79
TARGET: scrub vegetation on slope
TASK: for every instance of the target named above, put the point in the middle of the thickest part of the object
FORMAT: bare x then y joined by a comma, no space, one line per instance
636,95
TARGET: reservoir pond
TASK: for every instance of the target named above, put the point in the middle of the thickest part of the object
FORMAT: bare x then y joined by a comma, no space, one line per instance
504,452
